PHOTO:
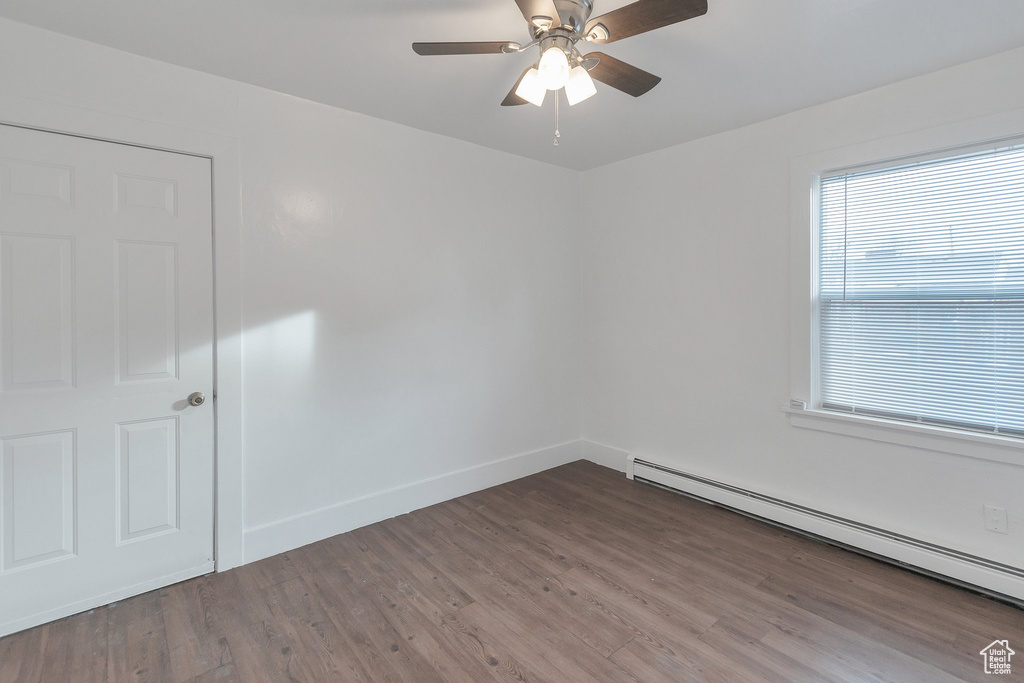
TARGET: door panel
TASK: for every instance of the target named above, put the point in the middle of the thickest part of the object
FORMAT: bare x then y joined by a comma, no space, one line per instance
36,293
148,478
39,498
34,183
147,322
106,326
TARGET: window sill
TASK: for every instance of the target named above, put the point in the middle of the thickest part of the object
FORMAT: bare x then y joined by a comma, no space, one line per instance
944,440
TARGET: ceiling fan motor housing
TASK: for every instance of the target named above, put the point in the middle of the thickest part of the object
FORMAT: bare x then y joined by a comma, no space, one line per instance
574,13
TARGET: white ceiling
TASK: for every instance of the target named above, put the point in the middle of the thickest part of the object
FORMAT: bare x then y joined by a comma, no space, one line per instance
745,61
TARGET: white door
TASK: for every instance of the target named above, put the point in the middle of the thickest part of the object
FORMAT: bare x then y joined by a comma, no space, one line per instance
106,327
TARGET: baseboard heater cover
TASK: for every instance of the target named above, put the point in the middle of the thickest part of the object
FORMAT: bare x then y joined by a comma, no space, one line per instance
682,482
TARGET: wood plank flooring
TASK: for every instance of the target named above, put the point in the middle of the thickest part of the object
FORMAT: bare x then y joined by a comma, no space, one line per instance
575,574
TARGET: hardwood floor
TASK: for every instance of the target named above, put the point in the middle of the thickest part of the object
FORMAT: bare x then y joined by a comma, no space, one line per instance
575,574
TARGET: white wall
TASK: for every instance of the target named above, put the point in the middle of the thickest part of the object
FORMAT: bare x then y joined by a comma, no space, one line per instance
405,314
407,322
687,318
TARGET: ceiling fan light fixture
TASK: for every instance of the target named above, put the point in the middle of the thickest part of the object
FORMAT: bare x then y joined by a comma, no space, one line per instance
554,68
531,89
580,86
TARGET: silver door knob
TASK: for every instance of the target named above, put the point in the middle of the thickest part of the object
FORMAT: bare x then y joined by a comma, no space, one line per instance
196,399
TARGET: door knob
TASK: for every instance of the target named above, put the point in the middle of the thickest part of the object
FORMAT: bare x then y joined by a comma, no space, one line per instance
196,399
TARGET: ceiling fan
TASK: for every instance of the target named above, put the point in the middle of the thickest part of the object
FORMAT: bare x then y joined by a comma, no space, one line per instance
556,26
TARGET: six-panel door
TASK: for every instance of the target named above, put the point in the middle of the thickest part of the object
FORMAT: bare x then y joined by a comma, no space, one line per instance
106,327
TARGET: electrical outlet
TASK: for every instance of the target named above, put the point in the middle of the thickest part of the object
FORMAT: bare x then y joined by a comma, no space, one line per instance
995,519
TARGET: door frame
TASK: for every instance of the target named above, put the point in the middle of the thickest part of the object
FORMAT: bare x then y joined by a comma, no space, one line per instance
222,149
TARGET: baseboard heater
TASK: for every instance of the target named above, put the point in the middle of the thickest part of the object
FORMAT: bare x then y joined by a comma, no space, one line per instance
718,493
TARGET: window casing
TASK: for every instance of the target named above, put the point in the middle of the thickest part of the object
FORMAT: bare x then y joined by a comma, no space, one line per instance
920,291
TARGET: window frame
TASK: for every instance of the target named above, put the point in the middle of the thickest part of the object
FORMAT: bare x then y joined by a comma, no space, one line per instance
805,407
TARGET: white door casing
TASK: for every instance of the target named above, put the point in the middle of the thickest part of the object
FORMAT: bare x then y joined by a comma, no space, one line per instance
106,326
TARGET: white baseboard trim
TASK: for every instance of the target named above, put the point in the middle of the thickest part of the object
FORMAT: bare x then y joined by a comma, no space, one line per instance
9,627
607,456
964,570
295,532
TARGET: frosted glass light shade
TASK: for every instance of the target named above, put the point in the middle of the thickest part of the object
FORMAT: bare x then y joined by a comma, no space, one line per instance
580,86
554,68
531,89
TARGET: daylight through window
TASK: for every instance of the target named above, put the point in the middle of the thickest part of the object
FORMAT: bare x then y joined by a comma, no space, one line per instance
921,291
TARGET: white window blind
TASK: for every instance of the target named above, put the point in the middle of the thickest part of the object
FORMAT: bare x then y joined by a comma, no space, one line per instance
921,285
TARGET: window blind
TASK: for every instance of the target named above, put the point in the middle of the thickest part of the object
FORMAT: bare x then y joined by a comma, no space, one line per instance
921,287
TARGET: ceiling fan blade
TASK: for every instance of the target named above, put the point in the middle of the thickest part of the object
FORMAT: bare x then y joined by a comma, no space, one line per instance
535,9
495,48
512,99
621,76
643,16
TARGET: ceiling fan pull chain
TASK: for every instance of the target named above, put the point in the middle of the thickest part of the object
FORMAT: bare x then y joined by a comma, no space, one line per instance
557,134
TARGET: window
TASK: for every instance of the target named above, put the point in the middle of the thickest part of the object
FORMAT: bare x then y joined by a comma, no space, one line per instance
921,291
